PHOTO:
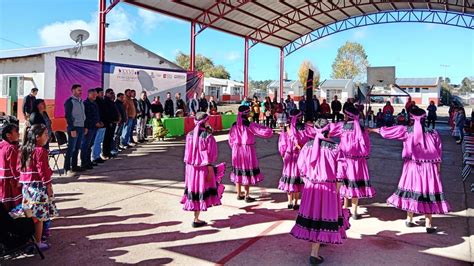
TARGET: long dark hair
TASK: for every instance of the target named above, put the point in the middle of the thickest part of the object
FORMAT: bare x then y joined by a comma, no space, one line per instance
35,107
29,144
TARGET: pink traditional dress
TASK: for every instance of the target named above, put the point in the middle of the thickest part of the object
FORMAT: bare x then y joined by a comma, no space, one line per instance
245,168
35,179
10,190
321,218
420,189
288,143
200,192
355,147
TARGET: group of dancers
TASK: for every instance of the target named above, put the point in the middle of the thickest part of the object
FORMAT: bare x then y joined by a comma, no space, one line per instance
322,170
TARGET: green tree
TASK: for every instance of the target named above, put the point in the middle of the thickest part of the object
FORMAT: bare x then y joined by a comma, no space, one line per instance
466,85
351,62
303,74
446,89
203,64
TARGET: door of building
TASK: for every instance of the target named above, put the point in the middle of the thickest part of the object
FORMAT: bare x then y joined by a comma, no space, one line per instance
14,84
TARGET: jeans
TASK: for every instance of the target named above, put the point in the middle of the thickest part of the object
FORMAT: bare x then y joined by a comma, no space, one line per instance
134,124
141,128
99,139
126,132
118,137
429,122
86,147
108,142
73,147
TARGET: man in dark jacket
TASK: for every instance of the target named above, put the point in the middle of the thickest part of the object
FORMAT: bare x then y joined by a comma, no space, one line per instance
180,104
169,105
100,134
75,118
317,107
203,104
144,113
336,108
92,123
110,121
212,106
121,125
28,103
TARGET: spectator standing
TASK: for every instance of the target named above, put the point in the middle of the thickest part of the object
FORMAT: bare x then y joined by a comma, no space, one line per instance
156,106
388,108
347,104
28,103
121,126
180,104
111,122
212,106
104,114
40,116
143,116
288,99
203,104
193,105
325,109
336,108
380,118
134,120
92,123
302,105
317,107
75,118
431,119
290,106
268,112
256,109
131,113
169,105
459,122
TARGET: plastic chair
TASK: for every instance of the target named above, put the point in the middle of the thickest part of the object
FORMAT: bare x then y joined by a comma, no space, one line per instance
61,140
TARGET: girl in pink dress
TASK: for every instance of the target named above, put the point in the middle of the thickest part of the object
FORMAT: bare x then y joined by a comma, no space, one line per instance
289,145
10,189
355,147
245,169
420,189
203,188
321,218
35,176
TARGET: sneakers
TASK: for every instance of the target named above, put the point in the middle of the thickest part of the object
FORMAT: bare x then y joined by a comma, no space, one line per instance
100,160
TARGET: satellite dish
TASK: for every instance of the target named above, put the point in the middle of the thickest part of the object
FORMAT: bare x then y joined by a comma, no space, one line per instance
79,36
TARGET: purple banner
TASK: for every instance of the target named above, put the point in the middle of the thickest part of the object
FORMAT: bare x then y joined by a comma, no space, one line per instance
71,71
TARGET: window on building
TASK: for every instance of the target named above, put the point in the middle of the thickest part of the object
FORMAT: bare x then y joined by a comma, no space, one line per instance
236,90
417,89
410,89
425,89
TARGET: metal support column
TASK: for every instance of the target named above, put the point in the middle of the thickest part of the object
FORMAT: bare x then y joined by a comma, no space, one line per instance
282,71
192,53
102,27
246,68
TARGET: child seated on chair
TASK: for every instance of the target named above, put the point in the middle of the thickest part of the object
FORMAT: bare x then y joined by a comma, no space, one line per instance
159,130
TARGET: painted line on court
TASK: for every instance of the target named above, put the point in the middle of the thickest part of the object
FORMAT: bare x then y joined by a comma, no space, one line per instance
247,244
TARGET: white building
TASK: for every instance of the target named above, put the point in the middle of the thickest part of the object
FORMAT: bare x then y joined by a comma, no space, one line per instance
290,87
421,90
23,69
224,90
343,88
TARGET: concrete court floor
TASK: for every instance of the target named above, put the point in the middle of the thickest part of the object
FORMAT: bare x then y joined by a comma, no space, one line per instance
127,211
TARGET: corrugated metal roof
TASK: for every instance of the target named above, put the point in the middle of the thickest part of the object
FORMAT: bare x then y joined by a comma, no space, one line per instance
404,82
24,52
335,83
279,23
